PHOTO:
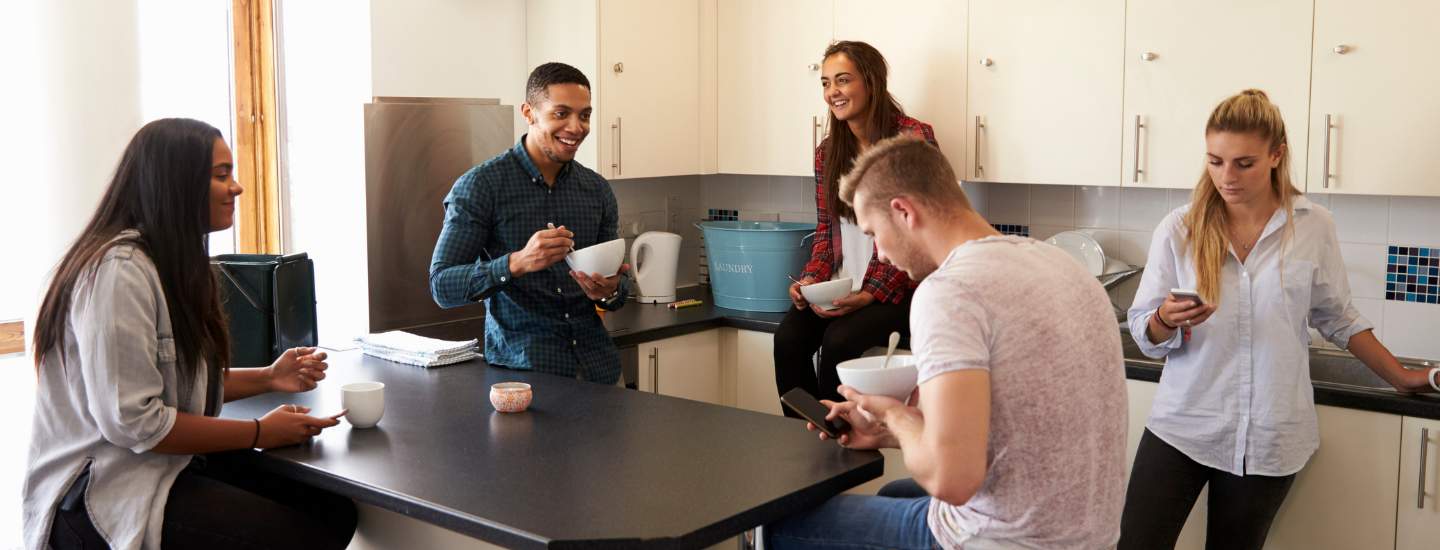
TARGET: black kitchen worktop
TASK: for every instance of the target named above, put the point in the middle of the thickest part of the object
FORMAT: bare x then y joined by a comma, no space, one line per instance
587,466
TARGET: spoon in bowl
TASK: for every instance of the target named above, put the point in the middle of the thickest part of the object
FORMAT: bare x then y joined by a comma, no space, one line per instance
890,350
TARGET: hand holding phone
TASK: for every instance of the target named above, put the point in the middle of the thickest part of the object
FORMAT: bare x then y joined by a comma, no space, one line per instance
806,406
1187,295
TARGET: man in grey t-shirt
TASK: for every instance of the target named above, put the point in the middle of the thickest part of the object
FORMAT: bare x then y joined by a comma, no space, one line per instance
1018,433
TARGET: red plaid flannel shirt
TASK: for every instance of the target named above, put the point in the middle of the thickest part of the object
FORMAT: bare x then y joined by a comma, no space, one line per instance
883,281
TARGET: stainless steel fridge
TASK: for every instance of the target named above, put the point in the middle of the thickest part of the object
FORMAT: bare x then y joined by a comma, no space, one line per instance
415,148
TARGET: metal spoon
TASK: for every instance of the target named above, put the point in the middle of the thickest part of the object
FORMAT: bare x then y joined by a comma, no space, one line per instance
890,351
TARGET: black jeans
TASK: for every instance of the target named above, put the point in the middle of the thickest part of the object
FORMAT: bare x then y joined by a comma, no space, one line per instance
222,501
1164,484
802,332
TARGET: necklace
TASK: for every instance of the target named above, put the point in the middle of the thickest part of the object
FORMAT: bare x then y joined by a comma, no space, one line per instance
1245,243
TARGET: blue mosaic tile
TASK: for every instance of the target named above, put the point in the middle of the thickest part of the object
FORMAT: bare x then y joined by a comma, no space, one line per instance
1412,274
1010,229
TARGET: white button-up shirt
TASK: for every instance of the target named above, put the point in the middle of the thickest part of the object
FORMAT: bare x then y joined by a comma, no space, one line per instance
1237,397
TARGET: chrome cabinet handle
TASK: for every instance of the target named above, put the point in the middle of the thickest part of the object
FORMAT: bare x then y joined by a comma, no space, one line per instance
655,371
1342,49
979,167
813,66
986,62
814,133
618,133
619,67
1148,56
1325,174
1424,447
1138,126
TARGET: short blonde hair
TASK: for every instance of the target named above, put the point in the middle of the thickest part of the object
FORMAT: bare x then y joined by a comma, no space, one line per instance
908,166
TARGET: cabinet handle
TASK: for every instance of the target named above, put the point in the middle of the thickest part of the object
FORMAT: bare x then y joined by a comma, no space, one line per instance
618,133
1424,446
619,67
814,134
1342,49
655,371
1325,174
979,167
1138,126
1148,56
986,62
813,66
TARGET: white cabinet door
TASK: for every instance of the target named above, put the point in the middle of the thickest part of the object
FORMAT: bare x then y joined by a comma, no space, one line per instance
1177,69
754,368
1045,87
1345,496
649,115
770,105
1374,77
684,366
1418,524
1142,397
923,42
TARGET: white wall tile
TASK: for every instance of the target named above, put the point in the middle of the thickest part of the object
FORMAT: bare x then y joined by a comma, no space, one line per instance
799,217
1410,329
687,274
653,221
1042,232
1415,221
1178,198
1361,219
1322,199
1365,267
1131,247
757,193
683,222
978,195
1052,205
759,216
1142,209
1097,207
1009,203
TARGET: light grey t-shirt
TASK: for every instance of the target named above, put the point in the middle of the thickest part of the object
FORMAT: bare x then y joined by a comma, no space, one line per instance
1044,328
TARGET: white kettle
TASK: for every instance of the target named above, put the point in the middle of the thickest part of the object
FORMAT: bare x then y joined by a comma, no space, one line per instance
656,255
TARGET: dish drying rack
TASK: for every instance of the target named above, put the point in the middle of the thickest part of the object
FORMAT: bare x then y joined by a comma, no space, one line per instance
1113,279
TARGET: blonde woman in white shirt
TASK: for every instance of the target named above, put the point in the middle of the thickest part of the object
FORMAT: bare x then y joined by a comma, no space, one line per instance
1235,407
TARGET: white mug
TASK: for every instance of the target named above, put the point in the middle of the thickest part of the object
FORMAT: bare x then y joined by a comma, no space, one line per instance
364,403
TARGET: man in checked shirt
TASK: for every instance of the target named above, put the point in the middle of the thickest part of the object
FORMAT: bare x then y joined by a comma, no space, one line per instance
508,224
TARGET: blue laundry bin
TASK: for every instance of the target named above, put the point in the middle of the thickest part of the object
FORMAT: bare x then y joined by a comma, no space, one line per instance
751,262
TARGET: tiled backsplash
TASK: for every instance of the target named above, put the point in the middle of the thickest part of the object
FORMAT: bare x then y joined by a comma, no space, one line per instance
1368,227
1012,229
1412,274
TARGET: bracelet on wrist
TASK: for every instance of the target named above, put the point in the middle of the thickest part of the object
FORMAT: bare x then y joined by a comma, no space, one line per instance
255,443
1162,321
1431,377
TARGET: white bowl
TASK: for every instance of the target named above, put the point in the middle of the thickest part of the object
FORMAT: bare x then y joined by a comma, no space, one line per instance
822,294
604,258
864,374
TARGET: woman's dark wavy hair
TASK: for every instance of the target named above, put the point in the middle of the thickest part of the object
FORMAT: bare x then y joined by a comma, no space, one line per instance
161,188
882,122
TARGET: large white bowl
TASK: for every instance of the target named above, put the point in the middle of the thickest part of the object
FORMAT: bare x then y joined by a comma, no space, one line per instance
822,294
864,374
604,258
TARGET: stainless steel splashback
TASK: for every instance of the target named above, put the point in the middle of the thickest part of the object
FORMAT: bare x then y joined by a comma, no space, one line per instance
415,148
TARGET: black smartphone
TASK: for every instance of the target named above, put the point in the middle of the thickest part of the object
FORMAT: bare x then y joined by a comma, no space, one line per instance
805,404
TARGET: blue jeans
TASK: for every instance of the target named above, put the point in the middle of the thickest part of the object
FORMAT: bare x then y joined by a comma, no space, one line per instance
855,521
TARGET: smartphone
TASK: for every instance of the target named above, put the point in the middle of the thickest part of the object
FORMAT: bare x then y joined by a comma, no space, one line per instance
1187,295
806,406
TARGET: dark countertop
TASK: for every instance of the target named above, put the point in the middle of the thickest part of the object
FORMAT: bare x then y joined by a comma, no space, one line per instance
636,323
586,466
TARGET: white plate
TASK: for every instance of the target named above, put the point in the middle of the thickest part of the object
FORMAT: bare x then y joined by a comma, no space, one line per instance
1083,248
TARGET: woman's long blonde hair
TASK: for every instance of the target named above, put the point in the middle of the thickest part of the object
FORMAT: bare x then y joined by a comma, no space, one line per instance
1207,223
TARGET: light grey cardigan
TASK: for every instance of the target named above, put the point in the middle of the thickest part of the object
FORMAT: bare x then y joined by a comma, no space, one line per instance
112,398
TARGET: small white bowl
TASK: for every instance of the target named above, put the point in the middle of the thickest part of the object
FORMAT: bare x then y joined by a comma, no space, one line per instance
864,374
823,293
604,258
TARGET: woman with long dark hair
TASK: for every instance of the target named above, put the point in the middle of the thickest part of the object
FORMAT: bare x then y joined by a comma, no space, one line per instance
1235,409
853,83
132,355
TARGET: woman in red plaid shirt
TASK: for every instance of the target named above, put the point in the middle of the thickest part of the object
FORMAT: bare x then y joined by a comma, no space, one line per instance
862,112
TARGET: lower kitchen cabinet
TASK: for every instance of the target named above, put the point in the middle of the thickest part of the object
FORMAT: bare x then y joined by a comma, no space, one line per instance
1345,496
684,366
749,360
1417,523
1142,396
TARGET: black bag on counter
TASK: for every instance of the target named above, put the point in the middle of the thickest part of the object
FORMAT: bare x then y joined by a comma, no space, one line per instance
270,301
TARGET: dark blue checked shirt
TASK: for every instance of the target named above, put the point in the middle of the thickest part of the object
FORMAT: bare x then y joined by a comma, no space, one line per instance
540,321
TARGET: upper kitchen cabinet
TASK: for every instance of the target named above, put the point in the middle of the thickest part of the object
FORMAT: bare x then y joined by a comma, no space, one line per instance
1045,84
1371,86
646,96
1177,69
770,112
923,41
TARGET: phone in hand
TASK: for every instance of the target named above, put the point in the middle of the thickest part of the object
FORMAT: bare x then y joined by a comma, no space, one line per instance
1187,295
806,406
